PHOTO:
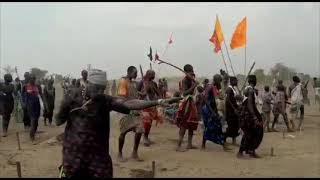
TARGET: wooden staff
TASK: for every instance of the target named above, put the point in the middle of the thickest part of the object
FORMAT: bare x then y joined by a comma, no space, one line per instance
19,169
272,151
234,74
153,169
244,84
18,140
141,72
245,59
224,61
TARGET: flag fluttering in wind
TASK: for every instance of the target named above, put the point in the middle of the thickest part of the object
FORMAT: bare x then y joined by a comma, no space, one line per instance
150,54
239,38
217,36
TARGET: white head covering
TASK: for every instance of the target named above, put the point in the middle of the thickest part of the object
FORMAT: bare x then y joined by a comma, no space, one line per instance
97,76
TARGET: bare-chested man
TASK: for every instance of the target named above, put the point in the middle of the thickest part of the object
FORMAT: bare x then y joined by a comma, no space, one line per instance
149,91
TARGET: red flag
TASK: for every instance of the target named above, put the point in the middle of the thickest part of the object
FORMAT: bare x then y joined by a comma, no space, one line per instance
215,41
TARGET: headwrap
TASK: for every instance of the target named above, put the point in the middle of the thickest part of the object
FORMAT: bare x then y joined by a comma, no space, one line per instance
98,77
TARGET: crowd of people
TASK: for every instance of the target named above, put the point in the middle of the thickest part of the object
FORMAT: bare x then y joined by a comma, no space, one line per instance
88,101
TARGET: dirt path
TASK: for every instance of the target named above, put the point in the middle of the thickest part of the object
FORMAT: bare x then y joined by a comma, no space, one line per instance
294,157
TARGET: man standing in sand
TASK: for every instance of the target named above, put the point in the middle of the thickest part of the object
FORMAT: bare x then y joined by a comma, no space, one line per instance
186,118
149,91
86,136
251,122
127,89
296,96
279,107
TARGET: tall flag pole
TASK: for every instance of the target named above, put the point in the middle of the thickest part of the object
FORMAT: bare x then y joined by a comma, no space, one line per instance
169,42
239,39
217,38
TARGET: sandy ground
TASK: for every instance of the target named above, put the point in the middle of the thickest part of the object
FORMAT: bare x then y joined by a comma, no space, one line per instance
294,157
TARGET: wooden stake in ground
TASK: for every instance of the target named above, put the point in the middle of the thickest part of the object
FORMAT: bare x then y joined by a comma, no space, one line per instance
0,127
283,134
153,169
18,169
272,151
18,140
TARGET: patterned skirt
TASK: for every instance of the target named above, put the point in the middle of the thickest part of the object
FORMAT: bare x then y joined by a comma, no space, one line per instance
213,127
186,116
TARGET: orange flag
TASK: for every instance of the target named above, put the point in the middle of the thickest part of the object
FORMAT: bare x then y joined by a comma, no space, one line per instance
217,36
239,38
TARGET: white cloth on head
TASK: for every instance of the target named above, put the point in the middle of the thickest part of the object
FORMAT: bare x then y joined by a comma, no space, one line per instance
96,76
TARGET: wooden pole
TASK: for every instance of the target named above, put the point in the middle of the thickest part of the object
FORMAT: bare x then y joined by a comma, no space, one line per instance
224,61
272,151
0,127
244,84
19,169
150,66
234,74
141,72
153,169
18,140
245,60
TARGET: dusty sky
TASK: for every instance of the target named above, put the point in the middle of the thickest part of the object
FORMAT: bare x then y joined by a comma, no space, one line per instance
65,37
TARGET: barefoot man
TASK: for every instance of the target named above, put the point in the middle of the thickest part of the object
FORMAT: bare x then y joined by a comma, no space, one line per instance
232,109
186,118
251,122
86,137
211,118
149,91
130,122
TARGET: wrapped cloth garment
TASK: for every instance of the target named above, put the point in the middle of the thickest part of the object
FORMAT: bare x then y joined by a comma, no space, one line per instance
187,116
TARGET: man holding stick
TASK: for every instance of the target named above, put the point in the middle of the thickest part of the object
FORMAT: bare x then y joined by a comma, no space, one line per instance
86,137
186,118
251,123
211,119
232,111
296,96
149,91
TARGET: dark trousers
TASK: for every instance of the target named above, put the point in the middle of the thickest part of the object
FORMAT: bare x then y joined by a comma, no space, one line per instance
26,118
34,126
5,121
301,115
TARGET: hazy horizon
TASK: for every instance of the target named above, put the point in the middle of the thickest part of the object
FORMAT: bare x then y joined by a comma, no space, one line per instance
64,37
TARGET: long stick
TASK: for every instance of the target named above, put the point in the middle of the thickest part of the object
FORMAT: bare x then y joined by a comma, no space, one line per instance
150,66
141,72
19,169
164,52
224,61
244,84
234,74
153,169
161,61
18,140
245,59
